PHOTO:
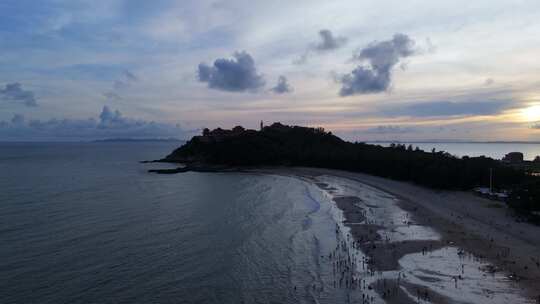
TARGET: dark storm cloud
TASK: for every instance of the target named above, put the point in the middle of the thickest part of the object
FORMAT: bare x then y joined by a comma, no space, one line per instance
282,86
14,92
237,74
329,41
109,124
378,59
449,108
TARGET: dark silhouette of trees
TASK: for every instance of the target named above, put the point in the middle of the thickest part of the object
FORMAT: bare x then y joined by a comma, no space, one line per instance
313,147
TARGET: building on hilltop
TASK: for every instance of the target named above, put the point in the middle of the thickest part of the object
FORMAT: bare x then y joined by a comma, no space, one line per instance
513,157
220,134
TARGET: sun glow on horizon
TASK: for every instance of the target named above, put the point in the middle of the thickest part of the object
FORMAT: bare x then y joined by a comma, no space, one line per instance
531,113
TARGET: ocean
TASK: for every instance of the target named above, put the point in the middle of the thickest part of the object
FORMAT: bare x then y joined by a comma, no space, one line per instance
493,150
86,223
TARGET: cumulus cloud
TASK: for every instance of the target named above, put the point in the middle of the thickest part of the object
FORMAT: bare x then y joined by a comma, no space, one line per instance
237,74
449,108
329,41
282,86
14,92
378,59
109,124
110,118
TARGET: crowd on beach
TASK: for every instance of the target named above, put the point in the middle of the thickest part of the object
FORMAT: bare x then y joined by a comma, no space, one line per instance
354,263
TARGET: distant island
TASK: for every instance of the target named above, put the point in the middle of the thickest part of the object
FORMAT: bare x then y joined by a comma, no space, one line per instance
169,139
455,141
282,145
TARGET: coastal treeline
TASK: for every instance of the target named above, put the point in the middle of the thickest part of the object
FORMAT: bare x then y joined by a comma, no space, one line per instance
314,147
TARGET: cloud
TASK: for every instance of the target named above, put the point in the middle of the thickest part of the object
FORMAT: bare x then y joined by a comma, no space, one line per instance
109,124
130,76
282,86
390,129
14,92
329,42
112,95
449,108
18,119
110,118
238,74
126,80
379,59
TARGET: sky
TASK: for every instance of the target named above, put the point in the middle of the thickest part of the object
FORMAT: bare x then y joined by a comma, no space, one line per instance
365,70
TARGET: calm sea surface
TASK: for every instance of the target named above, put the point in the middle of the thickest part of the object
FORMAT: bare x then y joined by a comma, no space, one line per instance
494,150
85,223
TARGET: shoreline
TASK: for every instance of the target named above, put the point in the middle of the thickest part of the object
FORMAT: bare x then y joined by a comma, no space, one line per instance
484,229
481,227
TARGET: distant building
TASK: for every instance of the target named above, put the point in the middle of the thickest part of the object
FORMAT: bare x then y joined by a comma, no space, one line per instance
220,134
238,130
513,157
277,126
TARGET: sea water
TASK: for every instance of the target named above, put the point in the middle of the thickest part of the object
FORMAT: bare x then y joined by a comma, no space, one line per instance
86,223
493,150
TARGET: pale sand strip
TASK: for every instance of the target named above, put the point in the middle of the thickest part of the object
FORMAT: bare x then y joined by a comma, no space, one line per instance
478,225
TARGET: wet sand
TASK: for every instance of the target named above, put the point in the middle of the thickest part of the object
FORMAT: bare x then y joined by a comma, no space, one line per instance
418,245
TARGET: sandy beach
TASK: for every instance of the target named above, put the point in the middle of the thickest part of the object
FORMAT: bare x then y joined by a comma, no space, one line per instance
476,250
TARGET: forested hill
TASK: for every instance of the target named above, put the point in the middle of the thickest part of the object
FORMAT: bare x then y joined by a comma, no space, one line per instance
300,146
